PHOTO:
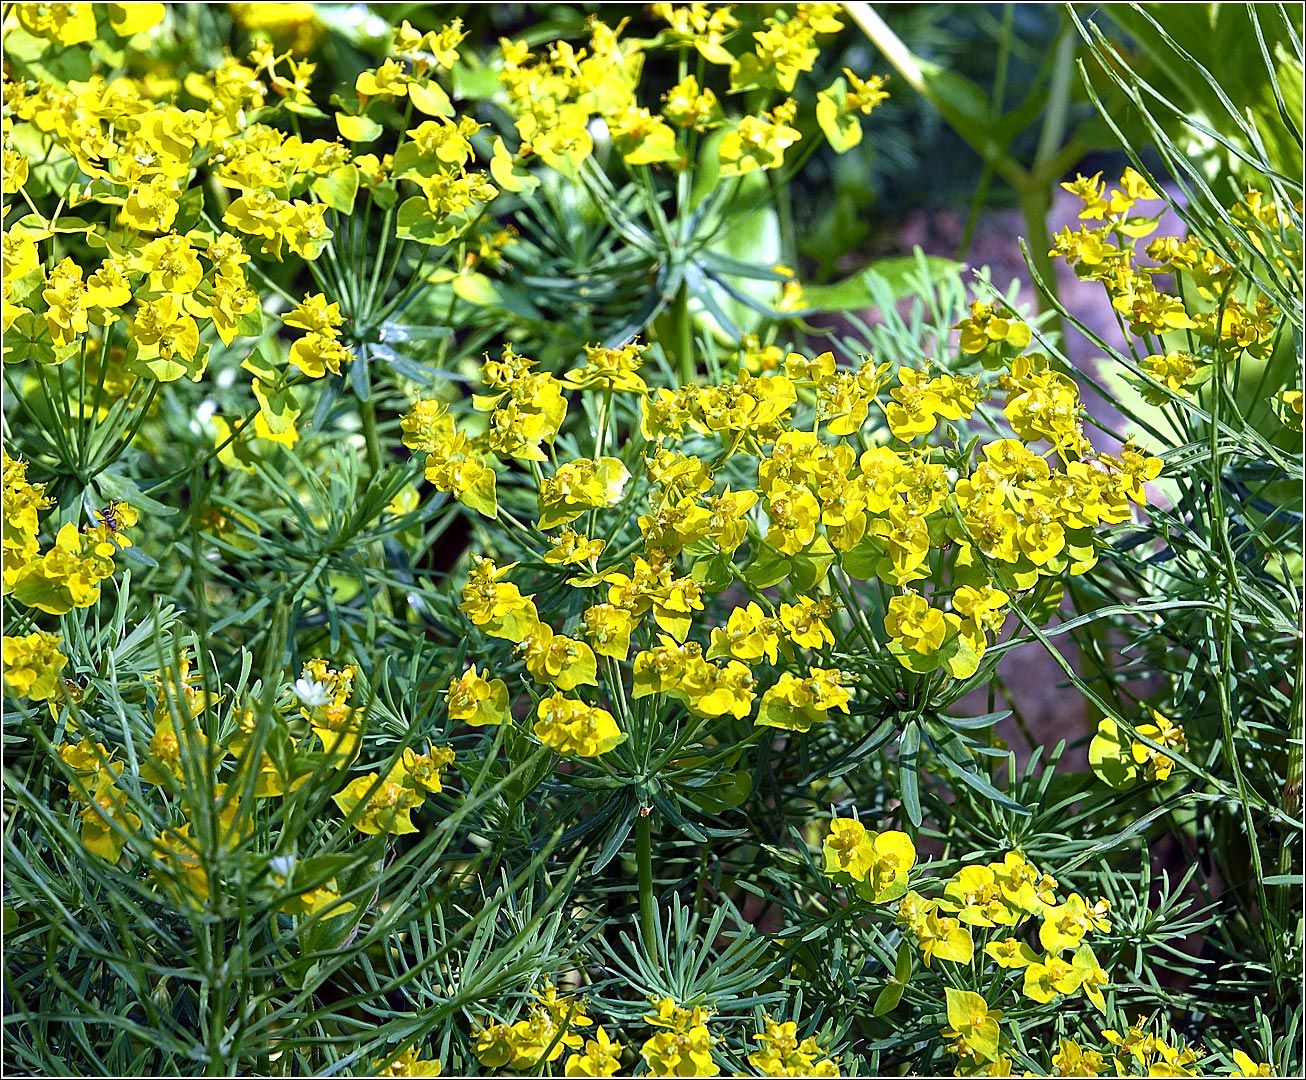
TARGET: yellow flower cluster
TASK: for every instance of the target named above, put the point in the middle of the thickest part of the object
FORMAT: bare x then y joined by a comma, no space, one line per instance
543,1035
990,525
175,273
105,820
683,1045
783,1054
1137,1053
561,98
68,573
409,1063
974,1030
876,864
1122,762
995,899
374,804
180,754
1222,316
32,663
572,727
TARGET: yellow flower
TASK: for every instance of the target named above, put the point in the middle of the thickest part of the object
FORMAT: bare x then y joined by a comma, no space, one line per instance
972,1025
316,316
129,19
388,80
1121,765
178,866
572,548
497,606
986,329
66,24
476,700
423,771
944,938
756,142
453,461
893,856
686,106
171,264
1245,1065
66,576
409,1063
914,625
152,206
601,1057
106,819
711,690
167,341
702,26
1287,406
848,849
523,1045
1064,925
784,50
641,137
1158,766
172,752
1050,977
93,767
558,660
748,635
578,486
65,298
978,898
794,516
684,1048
795,704
32,664
1010,952
915,406
609,628
804,622
1092,976
782,1054
572,727
1075,1060
385,807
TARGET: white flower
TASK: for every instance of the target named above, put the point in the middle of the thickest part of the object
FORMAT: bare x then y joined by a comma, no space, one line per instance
312,694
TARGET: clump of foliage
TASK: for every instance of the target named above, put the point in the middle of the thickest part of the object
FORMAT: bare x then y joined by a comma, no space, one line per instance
459,616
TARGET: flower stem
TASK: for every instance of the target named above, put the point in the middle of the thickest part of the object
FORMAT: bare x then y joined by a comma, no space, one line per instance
367,413
647,912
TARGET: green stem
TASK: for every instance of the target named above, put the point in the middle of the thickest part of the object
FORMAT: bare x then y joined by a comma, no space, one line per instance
1035,201
647,899
367,412
684,331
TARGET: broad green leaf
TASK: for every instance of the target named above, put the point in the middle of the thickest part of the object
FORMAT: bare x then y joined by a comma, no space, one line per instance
897,274
358,129
416,222
888,998
428,97
476,289
768,568
506,174
305,109
29,339
1110,758
843,130
338,188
